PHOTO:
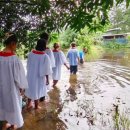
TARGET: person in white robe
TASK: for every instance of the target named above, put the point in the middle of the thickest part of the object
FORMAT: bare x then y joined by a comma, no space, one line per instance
12,82
49,52
60,60
38,71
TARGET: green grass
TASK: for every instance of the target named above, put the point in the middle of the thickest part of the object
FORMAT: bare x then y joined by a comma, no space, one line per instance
121,121
96,52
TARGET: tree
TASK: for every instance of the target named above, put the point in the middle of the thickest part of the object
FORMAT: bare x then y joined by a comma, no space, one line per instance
18,15
66,37
121,19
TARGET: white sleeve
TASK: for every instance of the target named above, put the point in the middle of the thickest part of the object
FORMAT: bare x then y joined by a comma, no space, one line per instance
63,58
19,75
45,66
51,56
27,66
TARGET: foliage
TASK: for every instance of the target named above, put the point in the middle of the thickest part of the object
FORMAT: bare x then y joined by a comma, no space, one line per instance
28,18
95,53
31,39
21,52
49,15
54,37
121,19
114,45
121,120
66,37
1,46
87,39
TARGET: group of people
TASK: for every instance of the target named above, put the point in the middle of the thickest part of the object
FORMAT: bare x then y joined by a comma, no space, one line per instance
42,63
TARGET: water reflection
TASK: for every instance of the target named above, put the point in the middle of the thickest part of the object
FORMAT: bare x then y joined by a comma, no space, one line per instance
88,100
47,118
72,89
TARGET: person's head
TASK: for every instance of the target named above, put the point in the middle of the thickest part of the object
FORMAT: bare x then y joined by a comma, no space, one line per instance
41,45
56,45
73,44
45,36
84,49
11,42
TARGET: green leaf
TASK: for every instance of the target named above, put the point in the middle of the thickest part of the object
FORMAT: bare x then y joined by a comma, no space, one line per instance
127,3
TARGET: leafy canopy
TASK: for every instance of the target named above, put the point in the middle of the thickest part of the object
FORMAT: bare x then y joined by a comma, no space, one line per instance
50,15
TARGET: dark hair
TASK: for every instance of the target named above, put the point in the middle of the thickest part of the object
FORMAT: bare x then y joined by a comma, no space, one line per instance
73,44
41,45
44,35
11,38
55,45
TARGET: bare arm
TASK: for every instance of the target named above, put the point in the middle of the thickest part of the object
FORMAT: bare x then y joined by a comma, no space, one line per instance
66,66
78,59
47,79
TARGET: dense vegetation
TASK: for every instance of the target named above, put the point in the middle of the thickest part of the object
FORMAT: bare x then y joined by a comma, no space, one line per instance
66,21
52,15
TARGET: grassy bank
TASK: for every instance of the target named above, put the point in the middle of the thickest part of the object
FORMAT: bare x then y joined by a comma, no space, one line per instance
96,52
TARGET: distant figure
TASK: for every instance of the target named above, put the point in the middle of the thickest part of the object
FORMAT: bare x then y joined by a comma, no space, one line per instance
49,52
82,54
38,71
12,84
60,60
73,56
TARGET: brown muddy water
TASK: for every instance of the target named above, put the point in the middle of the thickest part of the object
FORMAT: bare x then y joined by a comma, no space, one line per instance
98,98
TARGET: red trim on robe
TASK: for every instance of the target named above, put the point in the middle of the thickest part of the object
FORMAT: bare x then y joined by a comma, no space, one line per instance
73,48
55,50
6,54
38,52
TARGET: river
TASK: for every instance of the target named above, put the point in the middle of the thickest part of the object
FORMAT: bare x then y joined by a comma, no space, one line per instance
97,98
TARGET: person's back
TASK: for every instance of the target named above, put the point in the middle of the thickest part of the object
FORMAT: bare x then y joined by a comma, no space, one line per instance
12,82
35,63
81,57
36,74
60,60
73,57
82,54
38,71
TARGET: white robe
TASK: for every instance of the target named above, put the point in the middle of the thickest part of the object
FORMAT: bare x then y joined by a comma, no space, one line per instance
51,56
60,59
12,78
38,65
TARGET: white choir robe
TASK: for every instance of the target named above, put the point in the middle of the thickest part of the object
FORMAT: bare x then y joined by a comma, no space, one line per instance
60,59
49,52
12,78
38,65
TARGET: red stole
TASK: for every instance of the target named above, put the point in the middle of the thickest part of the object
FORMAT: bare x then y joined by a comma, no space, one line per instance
38,52
55,50
6,54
